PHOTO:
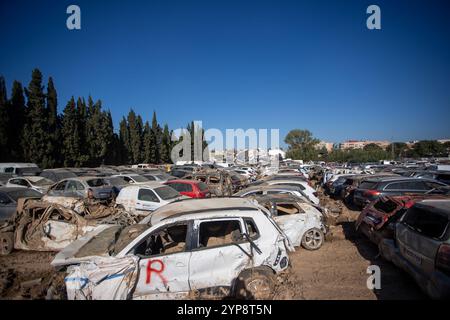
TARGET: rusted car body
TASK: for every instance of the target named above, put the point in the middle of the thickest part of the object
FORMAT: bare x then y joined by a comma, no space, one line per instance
219,182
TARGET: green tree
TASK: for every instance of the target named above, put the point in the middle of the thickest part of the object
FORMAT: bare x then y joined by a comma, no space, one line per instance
302,145
166,145
135,132
35,136
428,148
71,142
17,116
156,141
54,135
124,142
148,143
4,122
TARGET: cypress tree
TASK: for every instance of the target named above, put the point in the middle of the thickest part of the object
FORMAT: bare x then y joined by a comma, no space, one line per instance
148,143
17,116
54,141
156,141
124,142
135,131
166,145
71,135
35,135
4,122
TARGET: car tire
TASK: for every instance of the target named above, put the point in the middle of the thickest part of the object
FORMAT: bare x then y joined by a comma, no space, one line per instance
6,243
255,284
313,239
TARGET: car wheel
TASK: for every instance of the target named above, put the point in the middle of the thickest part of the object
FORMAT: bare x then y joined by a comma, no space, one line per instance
313,239
255,284
6,243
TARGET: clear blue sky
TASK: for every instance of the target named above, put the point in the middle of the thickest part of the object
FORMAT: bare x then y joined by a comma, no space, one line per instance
245,64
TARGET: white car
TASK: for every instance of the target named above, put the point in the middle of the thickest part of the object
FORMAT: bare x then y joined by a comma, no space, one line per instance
309,191
141,199
303,223
274,189
37,183
229,246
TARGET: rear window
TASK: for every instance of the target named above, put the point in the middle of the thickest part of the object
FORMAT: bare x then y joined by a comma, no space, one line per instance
202,186
385,206
366,185
166,193
426,222
95,183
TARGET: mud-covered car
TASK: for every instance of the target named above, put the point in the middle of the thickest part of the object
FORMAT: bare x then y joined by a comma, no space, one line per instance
81,187
42,226
226,246
303,223
219,182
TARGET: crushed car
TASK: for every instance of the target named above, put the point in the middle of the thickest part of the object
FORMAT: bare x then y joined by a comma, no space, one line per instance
219,182
39,225
227,246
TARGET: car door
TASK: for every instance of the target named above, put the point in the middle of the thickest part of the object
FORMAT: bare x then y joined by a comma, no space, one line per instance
418,237
220,252
147,200
74,189
58,189
164,260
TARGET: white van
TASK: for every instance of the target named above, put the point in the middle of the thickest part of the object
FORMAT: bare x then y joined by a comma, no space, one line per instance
21,169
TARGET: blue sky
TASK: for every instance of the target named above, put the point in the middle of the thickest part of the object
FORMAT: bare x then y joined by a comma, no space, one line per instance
245,64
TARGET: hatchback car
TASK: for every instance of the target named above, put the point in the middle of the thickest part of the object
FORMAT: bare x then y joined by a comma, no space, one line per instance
40,184
9,197
190,188
81,187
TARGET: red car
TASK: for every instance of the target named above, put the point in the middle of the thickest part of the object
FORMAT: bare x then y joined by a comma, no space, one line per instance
190,188
377,219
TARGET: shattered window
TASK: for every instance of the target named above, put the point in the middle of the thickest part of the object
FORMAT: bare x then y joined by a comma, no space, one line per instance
165,241
251,228
219,233
287,209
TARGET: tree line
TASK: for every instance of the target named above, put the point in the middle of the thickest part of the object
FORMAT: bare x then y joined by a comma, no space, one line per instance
303,145
32,130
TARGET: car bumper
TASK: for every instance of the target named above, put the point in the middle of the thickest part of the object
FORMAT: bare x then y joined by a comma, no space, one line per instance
436,285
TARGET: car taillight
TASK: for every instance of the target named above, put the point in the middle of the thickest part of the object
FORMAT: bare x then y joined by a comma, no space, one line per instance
371,193
443,258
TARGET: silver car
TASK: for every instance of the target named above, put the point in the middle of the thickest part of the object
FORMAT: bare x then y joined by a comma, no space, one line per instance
82,187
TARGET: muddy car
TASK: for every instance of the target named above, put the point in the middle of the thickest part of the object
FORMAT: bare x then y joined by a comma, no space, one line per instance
219,182
303,223
81,187
422,246
42,226
225,247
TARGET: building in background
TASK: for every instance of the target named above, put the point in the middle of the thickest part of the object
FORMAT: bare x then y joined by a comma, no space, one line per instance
360,144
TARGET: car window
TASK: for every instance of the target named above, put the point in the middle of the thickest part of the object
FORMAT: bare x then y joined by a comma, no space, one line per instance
168,240
150,178
186,187
73,186
252,230
366,185
140,179
167,193
428,223
20,182
219,233
287,209
95,183
61,186
386,206
147,195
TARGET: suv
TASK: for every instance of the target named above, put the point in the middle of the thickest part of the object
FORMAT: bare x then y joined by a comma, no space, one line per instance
422,246
373,188
229,246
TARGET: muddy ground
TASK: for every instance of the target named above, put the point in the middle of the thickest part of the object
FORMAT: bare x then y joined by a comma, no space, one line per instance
335,271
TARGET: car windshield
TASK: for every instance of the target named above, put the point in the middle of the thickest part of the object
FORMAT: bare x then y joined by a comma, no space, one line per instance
162,176
139,178
166,193
25,193
95,182
42,182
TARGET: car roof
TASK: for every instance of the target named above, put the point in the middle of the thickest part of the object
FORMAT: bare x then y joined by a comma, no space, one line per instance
266,187
396,178
149,184
194,206
183,181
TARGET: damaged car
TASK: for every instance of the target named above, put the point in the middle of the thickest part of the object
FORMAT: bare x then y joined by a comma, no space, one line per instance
226,247
42,226
219,182
303,223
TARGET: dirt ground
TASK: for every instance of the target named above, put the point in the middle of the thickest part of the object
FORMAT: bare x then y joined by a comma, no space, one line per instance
334,272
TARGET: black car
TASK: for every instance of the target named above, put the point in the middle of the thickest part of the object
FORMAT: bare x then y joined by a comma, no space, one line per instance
372,188
441,176
9,197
